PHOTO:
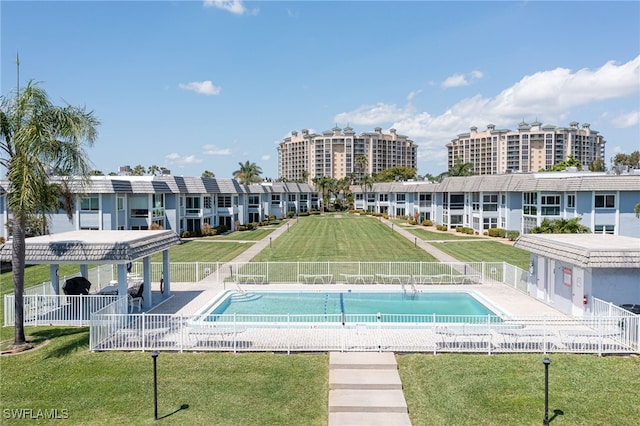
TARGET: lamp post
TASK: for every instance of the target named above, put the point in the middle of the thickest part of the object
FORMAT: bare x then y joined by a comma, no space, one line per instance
546,361
269,242
154,355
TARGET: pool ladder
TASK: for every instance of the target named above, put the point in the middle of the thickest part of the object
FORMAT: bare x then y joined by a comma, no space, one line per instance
412,290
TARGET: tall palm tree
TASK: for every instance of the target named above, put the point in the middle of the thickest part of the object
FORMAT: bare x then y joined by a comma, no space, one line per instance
248,173
461,169
36,137
361,164
367,185
138,170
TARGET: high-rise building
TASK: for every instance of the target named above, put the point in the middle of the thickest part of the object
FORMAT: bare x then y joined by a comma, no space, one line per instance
529,149
305,156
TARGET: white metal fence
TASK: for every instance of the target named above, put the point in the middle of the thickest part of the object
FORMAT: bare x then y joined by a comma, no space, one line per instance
609,329
56,309
305,333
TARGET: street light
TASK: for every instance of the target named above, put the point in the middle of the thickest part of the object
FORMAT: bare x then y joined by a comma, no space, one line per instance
546,361
269,242
154,355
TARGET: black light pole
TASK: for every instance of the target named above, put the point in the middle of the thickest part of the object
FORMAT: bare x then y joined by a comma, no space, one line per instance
269,242
154,355
546,361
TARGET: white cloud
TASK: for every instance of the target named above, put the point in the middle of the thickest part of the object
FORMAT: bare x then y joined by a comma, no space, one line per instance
214,150
201,87
413,94
458,80
265,157
375,114
175,158
626,120
455,80
236,7
549,96
233,6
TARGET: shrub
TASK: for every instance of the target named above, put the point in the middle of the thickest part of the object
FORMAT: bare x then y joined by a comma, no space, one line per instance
303,214
459,228
427,222
272,217
497,232
186,234
221,229
441,227
291,213
513,235
1,240
411,222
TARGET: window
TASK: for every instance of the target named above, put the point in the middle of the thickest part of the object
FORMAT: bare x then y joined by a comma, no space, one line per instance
254,201
604,229
224,201
383,197
400,211
457,201
571,201
401,198
490,222
550,205
207,202
292,198
605,201
120,202
275,199
90,203
530,203
490,202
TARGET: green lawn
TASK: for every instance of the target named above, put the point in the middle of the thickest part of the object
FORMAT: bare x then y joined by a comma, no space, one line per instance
255,235
341,237
454,389
203,251
117,387
485,251
276,389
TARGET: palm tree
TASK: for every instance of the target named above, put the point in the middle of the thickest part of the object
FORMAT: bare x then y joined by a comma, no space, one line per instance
138,170
248,173
361,164
461,169
322,184
208,174
35,137
154,170
367,185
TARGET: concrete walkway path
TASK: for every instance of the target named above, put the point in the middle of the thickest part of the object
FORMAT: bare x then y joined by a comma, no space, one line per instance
365,389
438,254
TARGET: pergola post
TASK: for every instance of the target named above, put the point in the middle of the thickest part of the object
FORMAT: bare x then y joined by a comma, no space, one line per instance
122,279
146,276
166,272
55,278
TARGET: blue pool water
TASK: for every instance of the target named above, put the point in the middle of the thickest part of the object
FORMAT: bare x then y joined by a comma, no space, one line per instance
349,303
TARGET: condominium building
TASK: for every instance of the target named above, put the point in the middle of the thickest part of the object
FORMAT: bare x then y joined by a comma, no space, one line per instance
529,149
305,156
605,202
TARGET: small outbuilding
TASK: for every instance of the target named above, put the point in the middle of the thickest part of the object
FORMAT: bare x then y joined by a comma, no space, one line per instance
567,270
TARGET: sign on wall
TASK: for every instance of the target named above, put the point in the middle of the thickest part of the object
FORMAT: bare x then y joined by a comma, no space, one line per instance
567,276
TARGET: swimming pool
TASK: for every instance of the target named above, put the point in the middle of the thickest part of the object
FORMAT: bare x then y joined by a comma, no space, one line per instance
335,306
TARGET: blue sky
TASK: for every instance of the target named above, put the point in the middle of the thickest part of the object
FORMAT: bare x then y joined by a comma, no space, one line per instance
204,85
